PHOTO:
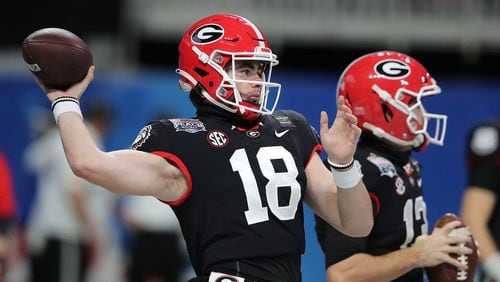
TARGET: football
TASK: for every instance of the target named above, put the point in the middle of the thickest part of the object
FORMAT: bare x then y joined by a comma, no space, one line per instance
445,272
57,57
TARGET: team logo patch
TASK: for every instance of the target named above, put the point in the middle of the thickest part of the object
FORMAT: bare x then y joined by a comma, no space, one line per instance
207,34
142,137
384,165
253,133
392,69
187,125
284,121
217,139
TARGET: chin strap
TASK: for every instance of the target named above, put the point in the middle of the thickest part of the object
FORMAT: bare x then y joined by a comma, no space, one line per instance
420,143
247,114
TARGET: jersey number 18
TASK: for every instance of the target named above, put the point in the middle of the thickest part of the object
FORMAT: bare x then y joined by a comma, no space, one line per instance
257,212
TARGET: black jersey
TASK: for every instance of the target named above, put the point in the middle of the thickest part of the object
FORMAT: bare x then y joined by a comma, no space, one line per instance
246,189
483,158
395,187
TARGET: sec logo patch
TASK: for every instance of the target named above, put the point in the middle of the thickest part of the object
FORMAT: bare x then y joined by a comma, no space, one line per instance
217,139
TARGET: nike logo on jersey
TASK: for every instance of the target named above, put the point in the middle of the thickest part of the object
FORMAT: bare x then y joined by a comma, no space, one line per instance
280,134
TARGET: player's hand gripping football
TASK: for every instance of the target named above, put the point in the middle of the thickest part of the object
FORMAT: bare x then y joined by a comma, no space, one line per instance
340,140
76,90
437,247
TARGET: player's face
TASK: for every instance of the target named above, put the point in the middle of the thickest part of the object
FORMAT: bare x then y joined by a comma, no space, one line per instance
252,72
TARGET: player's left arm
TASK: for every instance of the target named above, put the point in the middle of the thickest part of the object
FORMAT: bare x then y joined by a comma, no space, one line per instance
347,208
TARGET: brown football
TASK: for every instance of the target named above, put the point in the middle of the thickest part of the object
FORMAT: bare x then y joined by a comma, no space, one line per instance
57,57
445,272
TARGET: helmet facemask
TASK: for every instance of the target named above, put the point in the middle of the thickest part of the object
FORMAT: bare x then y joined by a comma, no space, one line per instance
419,122
228,92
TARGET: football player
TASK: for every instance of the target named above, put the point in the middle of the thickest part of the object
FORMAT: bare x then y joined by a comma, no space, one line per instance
385,91
480,207
236,174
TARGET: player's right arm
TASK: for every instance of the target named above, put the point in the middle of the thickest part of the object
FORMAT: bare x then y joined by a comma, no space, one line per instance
124,171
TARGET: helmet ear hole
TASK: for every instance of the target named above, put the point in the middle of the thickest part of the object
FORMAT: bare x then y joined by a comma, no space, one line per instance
201,72
388,114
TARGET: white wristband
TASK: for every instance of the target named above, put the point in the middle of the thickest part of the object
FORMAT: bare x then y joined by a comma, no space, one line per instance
65,106
492,266
347,179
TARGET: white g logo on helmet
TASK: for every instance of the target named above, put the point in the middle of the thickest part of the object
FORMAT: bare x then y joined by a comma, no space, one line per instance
392,69
207,34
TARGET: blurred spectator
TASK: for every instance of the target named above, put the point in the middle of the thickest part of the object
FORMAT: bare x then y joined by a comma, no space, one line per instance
7,210
69,232
108,266
481,206
157,251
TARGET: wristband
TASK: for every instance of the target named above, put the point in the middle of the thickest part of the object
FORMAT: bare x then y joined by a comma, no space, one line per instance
64,98
492,266
347,179
63,105
340,166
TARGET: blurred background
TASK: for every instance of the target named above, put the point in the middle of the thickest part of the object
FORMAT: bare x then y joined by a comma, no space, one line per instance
134,44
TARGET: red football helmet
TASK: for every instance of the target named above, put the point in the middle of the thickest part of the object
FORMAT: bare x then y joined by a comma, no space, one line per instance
220,41
384,91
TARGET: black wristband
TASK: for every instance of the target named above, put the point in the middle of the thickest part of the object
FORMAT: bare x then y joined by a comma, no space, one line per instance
340,166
